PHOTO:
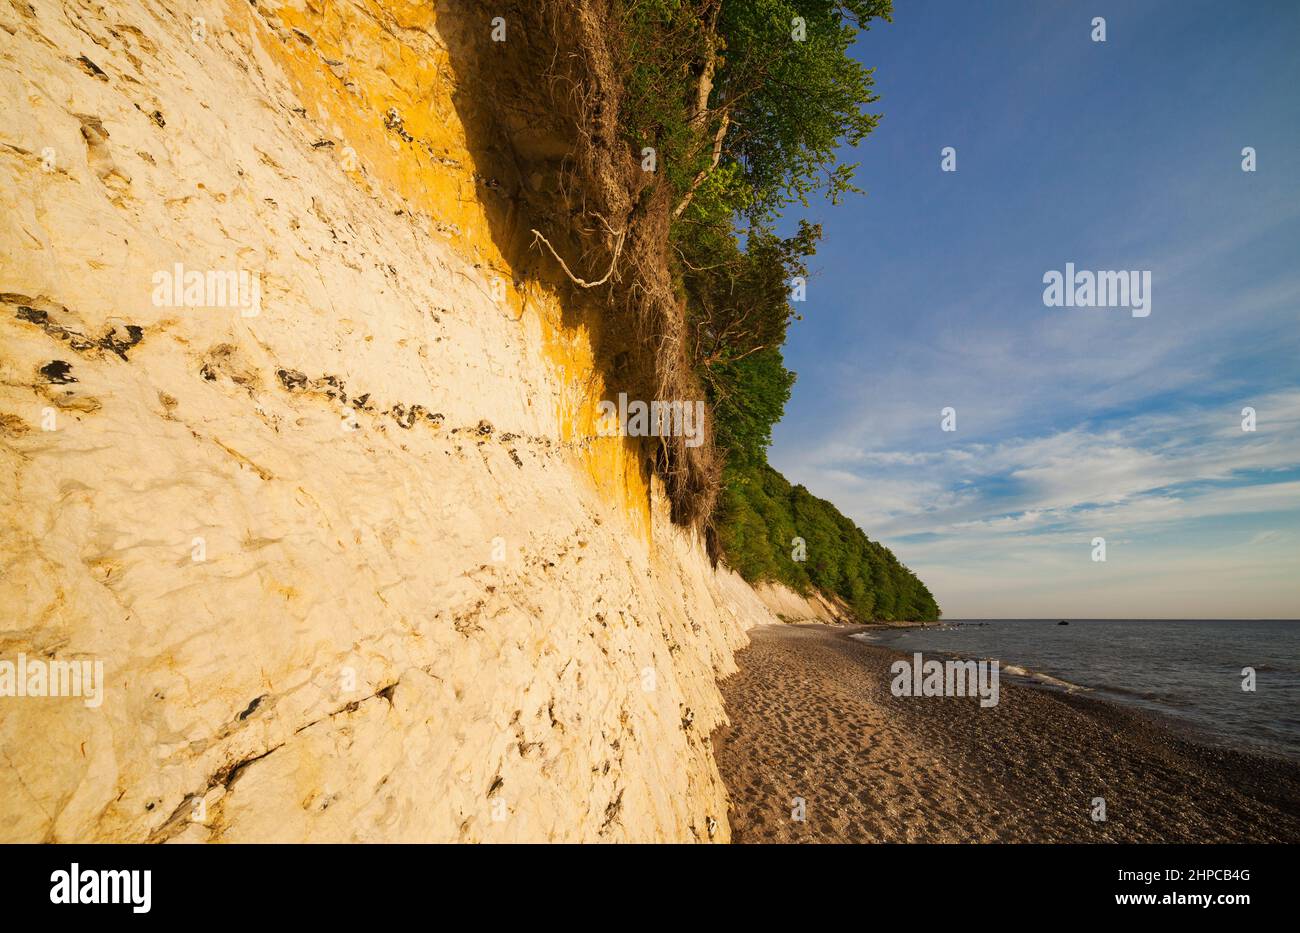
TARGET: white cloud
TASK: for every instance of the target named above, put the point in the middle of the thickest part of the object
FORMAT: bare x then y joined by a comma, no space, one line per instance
1014,520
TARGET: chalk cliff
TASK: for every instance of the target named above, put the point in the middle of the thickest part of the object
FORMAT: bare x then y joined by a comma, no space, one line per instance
354,563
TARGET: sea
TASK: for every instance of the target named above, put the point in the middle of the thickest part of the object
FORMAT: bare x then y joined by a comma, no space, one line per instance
1191,670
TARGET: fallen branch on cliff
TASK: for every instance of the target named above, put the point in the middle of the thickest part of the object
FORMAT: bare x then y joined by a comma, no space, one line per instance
618,248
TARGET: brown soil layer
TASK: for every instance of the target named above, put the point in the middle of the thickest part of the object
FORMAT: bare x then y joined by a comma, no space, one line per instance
812,716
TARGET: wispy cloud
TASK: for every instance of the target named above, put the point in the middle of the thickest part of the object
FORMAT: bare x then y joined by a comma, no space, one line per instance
1071,423
1030,506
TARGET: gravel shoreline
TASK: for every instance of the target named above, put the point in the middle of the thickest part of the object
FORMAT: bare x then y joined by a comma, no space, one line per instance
812,717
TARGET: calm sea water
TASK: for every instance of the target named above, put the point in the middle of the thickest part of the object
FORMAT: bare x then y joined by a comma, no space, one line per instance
1187,669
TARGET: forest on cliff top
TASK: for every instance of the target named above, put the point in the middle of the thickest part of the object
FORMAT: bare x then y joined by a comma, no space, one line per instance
746,105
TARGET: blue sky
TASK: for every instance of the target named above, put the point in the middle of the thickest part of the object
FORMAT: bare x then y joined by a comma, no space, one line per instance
1072,423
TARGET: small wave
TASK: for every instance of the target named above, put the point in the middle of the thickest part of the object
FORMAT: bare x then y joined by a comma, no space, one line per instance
1168,699
1039,677
1016,670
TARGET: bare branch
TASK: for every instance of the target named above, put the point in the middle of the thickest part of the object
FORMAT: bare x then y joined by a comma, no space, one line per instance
618,248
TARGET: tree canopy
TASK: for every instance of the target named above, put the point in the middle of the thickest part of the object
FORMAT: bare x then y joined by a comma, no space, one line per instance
748,105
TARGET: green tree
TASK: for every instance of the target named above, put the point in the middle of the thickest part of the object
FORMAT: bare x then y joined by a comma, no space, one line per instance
748,103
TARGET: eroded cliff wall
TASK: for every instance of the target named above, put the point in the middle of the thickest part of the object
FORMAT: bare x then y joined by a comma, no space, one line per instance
351,559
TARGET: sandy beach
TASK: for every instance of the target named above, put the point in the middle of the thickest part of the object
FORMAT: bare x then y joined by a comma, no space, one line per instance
812,717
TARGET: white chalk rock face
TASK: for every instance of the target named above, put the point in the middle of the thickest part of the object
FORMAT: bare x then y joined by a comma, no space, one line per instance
290,456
